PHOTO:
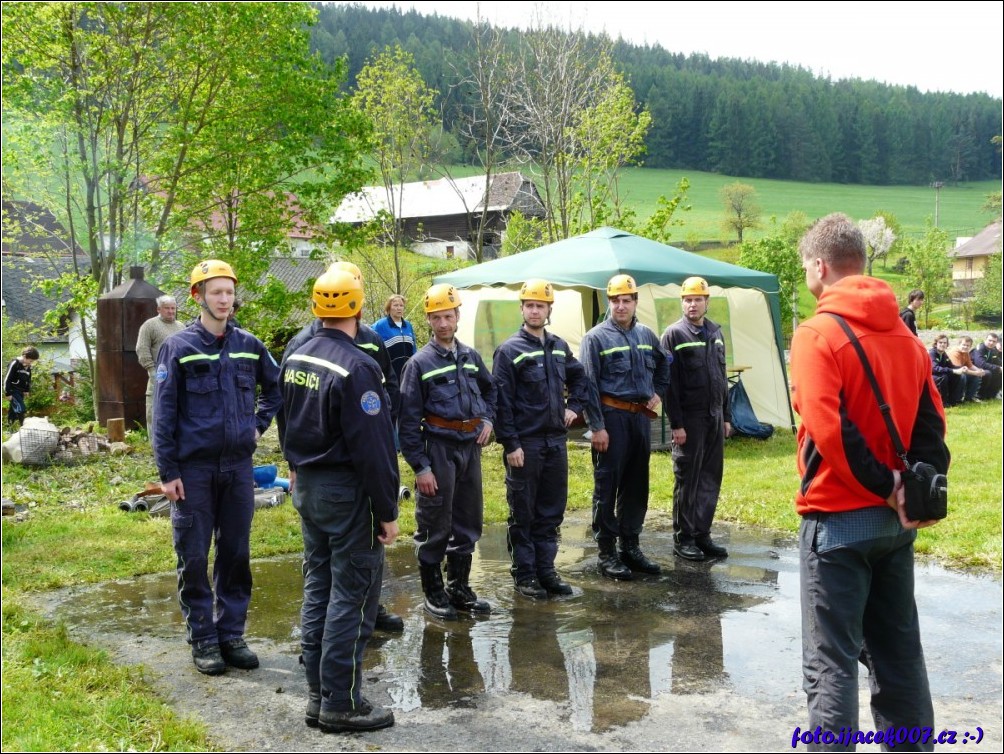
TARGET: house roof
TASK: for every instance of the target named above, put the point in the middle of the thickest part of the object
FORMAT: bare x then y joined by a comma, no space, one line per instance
299,227
22,301
984,243
31,230
446,196
293,273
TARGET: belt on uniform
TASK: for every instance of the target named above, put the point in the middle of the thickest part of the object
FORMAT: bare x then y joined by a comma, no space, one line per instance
634,408
458,425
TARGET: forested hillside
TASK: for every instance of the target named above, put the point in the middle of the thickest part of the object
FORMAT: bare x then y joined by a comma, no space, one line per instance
739,118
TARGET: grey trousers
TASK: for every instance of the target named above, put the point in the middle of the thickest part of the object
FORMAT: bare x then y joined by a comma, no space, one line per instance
858,606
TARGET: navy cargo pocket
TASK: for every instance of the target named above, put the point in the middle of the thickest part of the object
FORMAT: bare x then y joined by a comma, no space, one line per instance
203,395
180,520
245,393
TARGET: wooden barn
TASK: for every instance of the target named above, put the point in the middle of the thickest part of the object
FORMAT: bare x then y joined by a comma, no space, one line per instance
441,216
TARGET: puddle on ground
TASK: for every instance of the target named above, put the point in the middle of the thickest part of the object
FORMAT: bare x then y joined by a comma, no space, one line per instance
611,647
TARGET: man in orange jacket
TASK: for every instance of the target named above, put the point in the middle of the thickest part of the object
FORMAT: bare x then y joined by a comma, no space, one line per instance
856,541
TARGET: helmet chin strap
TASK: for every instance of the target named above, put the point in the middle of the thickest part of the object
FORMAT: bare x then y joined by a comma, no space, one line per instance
207,310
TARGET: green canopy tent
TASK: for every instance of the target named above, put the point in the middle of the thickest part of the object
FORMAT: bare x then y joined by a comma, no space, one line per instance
744,302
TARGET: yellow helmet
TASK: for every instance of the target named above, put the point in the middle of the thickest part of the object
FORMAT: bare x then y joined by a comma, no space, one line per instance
695,286
346,267
337,293
620,285
212,268
537,289
441,297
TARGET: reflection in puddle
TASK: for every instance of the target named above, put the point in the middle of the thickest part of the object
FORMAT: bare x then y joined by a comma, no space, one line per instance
600,655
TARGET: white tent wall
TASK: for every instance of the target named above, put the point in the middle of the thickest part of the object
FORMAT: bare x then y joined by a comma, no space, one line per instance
490,315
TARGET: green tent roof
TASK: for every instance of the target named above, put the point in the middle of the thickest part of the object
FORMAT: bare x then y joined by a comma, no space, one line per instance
591,259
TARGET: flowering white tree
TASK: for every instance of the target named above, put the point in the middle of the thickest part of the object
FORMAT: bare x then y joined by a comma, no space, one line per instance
878,236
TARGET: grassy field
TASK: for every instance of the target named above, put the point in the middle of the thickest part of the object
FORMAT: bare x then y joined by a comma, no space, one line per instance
958,212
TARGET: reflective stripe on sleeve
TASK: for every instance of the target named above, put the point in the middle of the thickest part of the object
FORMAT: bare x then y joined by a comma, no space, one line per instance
321,363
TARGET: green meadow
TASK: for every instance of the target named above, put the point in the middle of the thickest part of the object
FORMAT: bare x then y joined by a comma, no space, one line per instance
958,206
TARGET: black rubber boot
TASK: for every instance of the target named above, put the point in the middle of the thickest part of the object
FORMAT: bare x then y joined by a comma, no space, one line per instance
552,584
458,588
611,565
635,559
388,621
530,587
710,548
437,604
313,707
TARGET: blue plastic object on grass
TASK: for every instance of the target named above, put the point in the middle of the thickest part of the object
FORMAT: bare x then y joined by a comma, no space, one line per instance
264,476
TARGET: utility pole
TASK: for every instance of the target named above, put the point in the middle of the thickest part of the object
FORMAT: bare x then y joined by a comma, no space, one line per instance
937,186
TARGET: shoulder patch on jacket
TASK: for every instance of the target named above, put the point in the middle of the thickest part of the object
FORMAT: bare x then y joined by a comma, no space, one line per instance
370,402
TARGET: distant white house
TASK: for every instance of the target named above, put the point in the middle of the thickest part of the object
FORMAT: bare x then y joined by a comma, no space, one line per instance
970,257
440,217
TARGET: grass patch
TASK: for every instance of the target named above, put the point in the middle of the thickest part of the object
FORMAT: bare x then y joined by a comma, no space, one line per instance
59,695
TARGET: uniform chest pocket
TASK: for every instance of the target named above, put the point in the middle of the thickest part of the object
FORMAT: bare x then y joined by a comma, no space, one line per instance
531,371
245,393
693,359
619,364
203,395
559,368
649,361
444,389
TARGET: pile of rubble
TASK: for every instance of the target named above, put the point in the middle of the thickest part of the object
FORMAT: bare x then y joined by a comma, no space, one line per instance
39,442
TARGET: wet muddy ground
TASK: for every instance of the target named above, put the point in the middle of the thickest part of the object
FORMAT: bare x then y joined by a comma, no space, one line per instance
704,657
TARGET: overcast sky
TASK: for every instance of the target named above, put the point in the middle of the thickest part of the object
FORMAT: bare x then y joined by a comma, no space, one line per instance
934,46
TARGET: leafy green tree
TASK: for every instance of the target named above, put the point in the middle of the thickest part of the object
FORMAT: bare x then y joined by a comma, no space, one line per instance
608,136
929,267
392,94
484,119
793,227
987,292
163,132
557,78
778,256
522,234
742,210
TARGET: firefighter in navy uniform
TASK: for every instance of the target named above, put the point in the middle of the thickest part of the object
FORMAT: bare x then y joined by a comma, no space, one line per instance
338,438
369,342
208,425
699,415
447,412
531,370
628,376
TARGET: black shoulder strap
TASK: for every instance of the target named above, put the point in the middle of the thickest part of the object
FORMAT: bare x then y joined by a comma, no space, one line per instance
883,406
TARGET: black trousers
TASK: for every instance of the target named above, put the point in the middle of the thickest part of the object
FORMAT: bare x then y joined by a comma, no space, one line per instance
451,520
698,465
537,493
620,476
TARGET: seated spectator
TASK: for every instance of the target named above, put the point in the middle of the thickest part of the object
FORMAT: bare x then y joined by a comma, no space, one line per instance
968,386
946,375
987,356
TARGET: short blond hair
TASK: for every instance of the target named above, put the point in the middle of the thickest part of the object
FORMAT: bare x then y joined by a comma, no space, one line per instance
390,300
838,241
